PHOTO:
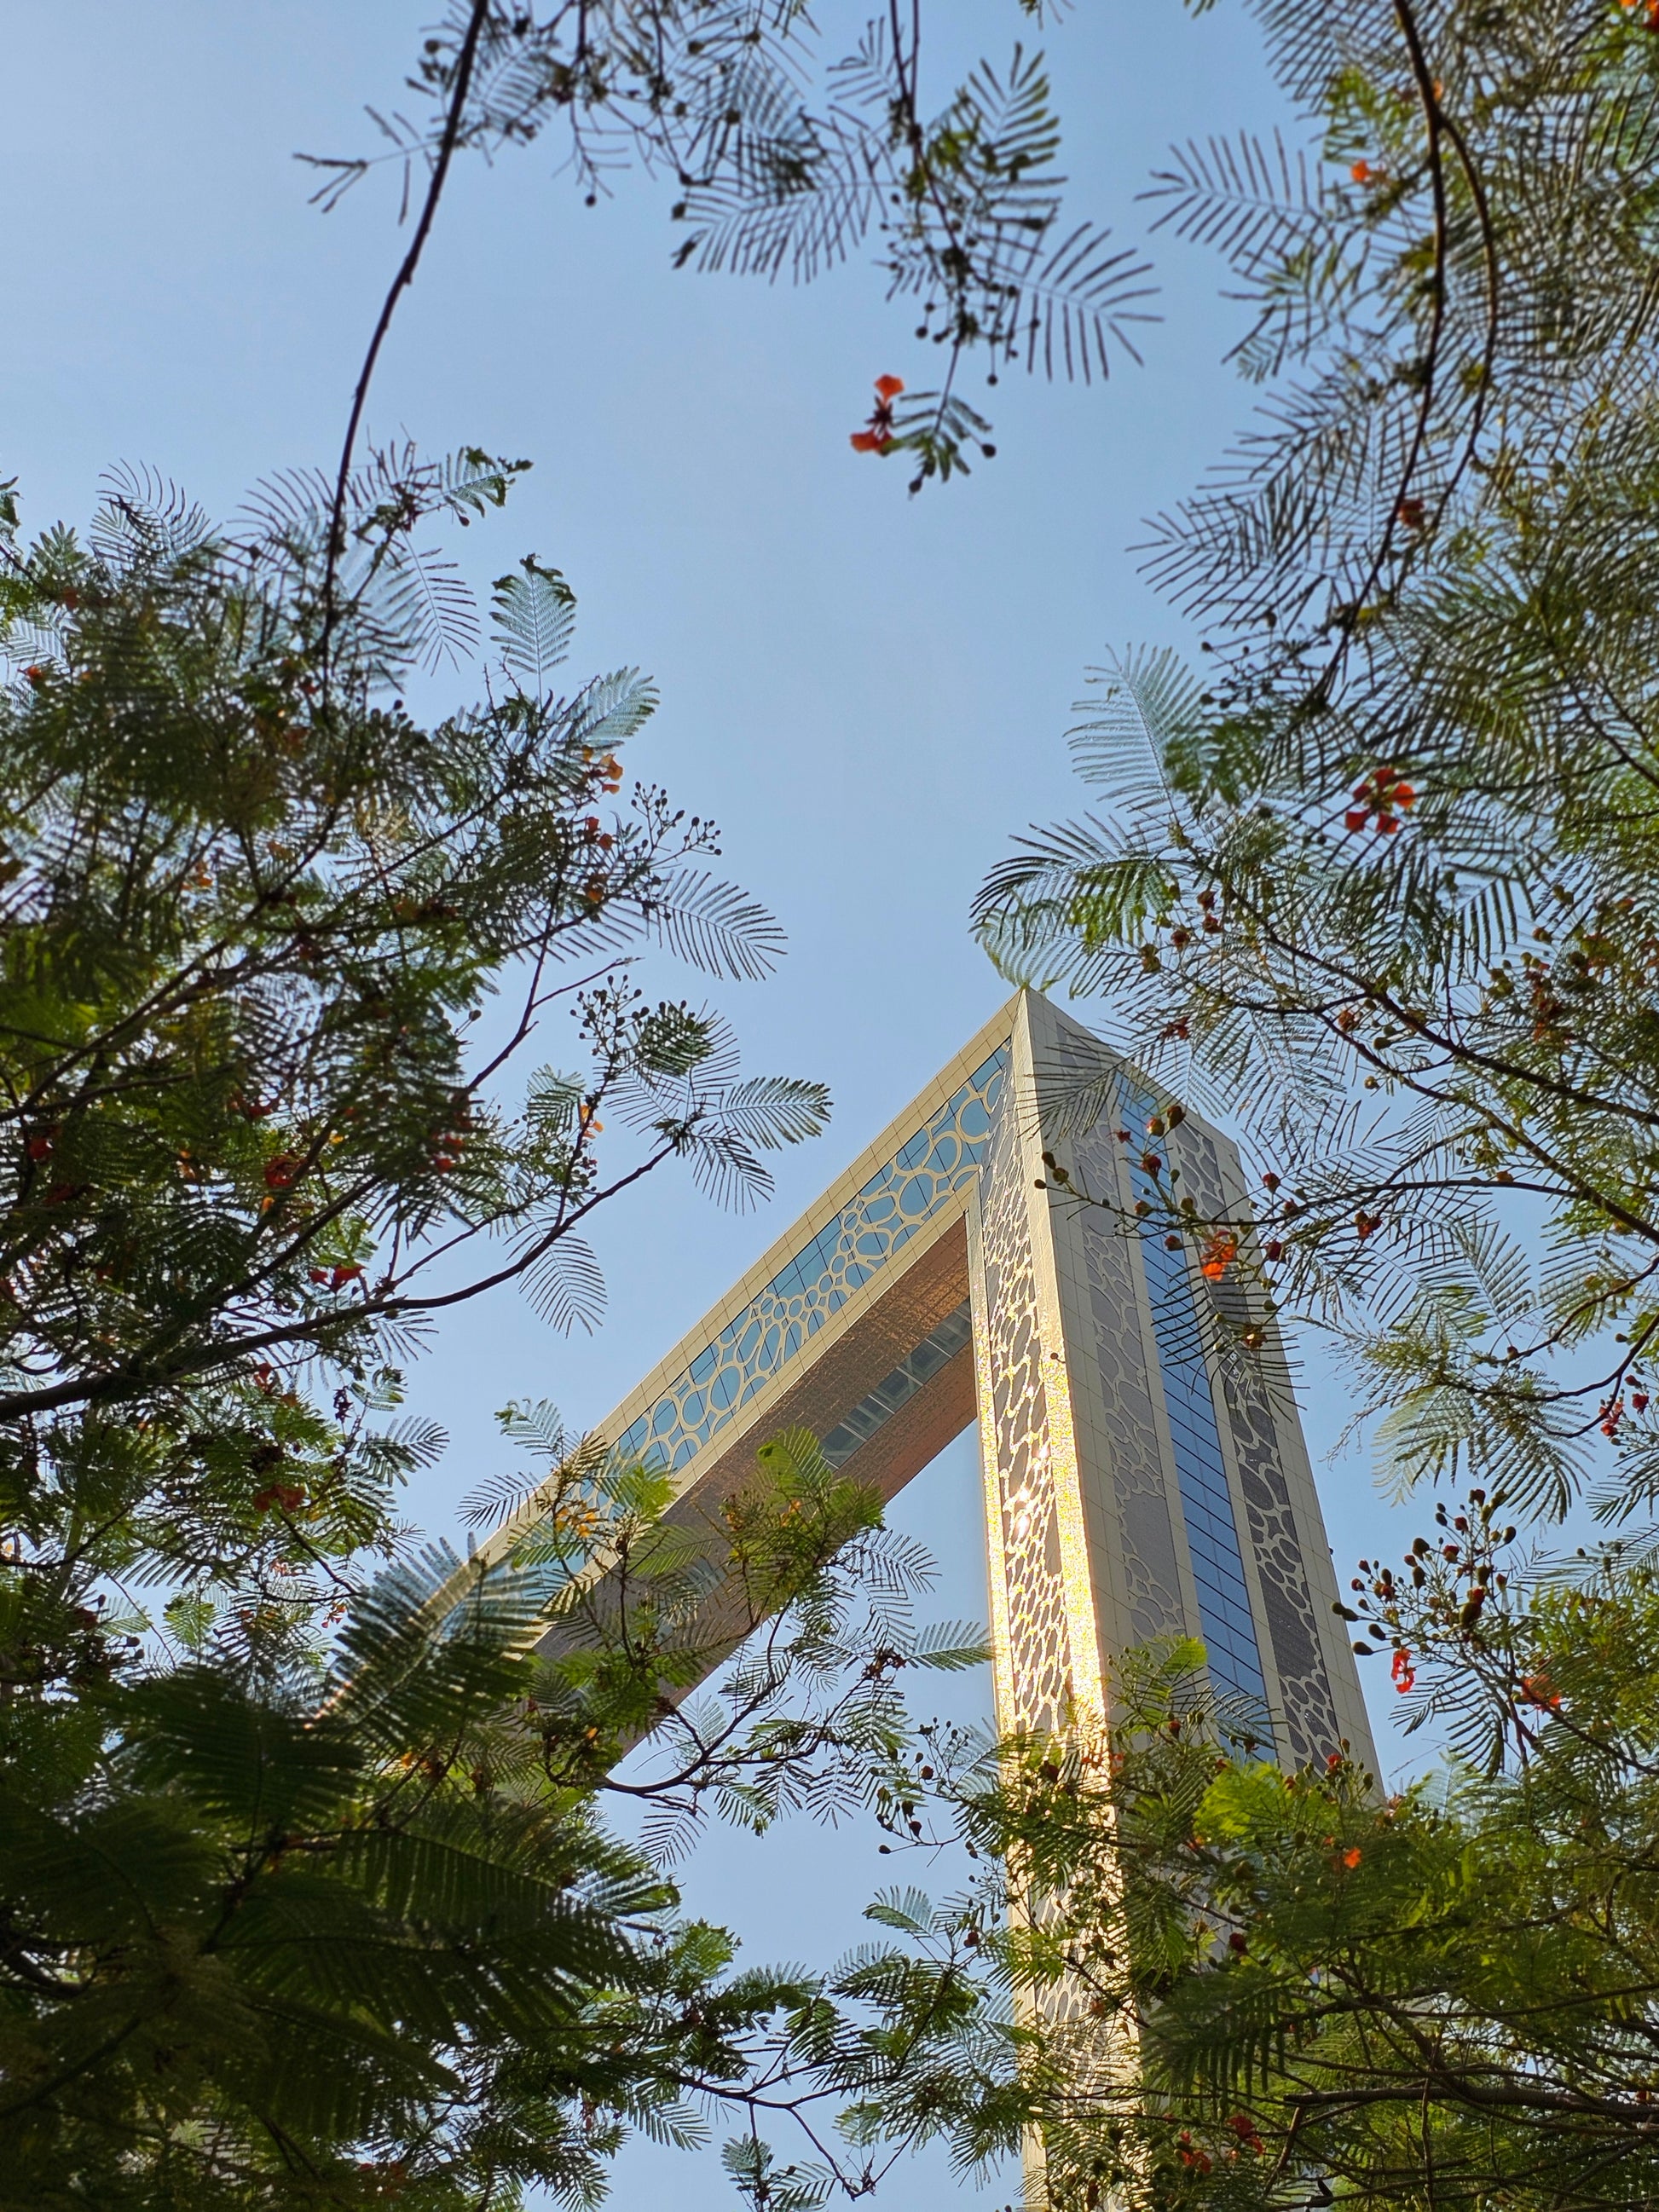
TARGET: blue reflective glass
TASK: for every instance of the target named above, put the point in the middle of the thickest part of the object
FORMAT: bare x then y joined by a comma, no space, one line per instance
1223,1600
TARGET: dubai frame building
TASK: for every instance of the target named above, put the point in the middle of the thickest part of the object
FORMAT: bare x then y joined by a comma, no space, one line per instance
1136,1483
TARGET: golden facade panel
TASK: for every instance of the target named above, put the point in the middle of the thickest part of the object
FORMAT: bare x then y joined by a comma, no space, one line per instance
1144,1470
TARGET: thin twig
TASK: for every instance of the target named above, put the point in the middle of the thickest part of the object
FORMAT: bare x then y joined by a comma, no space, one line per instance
464,63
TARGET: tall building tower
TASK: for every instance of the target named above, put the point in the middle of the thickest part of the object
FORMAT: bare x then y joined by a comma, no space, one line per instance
1140,1478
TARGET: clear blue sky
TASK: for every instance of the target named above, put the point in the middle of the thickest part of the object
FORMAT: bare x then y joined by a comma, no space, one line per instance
868,693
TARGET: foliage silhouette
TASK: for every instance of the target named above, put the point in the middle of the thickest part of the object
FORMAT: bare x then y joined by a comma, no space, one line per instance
305,1898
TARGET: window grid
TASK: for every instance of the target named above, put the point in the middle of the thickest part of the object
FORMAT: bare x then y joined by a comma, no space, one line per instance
1224,1598
912,1373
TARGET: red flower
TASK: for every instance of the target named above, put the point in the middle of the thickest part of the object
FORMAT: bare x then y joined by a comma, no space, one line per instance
287,1495
878,435
280,1171
1386,794
1218,1255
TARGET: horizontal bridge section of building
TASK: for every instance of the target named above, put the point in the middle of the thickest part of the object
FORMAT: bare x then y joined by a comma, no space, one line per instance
1144,1470
844,1326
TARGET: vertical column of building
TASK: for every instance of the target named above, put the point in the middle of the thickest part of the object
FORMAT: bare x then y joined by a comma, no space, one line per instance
1318,1695
1046,1534
1044,1629
1144,1470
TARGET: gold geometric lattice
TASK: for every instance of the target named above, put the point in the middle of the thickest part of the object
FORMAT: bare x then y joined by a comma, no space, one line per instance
1136,1483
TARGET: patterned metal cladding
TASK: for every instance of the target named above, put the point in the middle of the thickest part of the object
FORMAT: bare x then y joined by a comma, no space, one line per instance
932,1169
1036,1687
1133,1450
1145,1529
1135,1472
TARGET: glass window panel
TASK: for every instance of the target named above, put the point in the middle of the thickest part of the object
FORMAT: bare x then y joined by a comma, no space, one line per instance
1223,1602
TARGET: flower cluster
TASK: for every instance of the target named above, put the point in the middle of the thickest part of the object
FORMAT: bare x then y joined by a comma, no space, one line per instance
1443,1593
1386,794
879,432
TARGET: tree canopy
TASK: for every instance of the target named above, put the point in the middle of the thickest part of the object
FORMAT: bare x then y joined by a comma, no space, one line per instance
306,1893
789,141
1377,875
306,1897
1207,1979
